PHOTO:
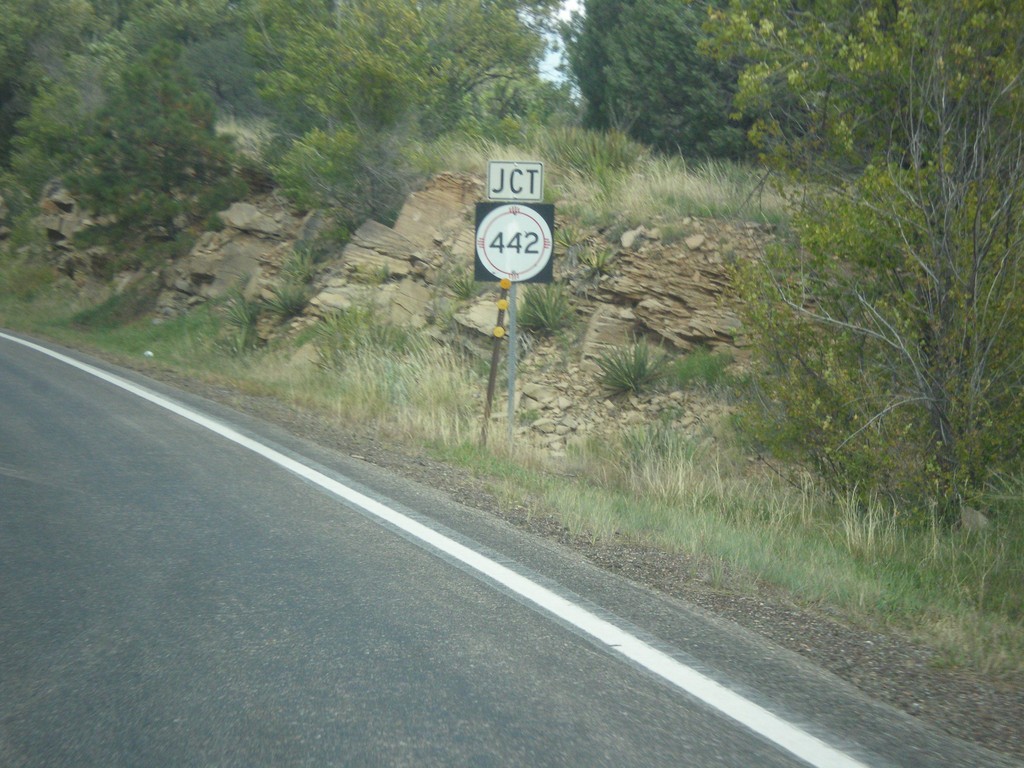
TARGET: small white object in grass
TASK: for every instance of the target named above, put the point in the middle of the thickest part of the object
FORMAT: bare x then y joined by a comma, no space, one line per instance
147,353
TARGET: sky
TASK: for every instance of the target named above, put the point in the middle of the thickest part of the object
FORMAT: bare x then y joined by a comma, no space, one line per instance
549,66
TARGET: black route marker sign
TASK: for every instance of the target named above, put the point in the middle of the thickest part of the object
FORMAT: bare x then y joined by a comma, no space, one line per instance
514,241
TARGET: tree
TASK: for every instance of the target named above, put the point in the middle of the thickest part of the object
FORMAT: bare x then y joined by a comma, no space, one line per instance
357,65
472,47
355,81
153,151
639,66
891,332
36,36
368,65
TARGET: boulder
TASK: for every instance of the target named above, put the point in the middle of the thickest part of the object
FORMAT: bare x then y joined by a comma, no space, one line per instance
376,249
681,295
246,217
61,217
408,302
481,316
442,211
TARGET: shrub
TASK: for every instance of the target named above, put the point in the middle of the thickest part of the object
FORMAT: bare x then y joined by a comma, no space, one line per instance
154,158
121,308
344,333
632,370
700,368
546,308
288,299
242,314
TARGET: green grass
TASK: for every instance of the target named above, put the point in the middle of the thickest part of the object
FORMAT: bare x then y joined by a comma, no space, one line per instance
956,591
344,335
26,280
699,368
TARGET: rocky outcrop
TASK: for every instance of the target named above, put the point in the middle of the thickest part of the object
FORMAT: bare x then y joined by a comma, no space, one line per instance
247,218
403,269
679,292
674,292
246,255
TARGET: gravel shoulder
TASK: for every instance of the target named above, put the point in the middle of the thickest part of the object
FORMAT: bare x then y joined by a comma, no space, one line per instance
887,667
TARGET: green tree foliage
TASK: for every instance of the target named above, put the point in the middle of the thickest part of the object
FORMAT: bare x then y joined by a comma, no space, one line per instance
48,141
60,62
343,65
227,71
639,66
355,81
891,333
153,151
36,37
475,47
345,79
370,64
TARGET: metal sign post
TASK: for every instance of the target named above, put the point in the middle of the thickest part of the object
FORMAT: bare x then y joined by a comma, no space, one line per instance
514,244
511,362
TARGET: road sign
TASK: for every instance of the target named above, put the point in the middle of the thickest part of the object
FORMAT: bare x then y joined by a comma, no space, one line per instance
514,241
515,181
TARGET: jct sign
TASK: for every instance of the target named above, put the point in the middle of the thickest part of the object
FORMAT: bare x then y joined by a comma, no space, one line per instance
515,181
515,242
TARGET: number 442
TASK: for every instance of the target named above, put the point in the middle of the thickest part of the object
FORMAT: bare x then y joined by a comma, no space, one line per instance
520,242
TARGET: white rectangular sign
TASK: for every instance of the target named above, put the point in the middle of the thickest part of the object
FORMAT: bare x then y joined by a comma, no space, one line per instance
515,181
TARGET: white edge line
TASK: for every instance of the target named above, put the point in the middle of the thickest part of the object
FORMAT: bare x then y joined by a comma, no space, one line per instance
753,716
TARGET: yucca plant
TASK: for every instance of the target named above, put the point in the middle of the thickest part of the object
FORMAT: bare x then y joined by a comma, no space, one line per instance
346,332
462,284
300,266
288,299
242,314
596,262
632,370
546,308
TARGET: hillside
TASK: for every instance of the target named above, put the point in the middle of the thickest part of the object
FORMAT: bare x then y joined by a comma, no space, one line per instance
671,294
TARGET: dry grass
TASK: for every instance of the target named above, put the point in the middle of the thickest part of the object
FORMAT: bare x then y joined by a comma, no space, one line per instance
251,135
645,189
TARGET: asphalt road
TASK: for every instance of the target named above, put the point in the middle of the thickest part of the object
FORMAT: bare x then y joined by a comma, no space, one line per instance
195,588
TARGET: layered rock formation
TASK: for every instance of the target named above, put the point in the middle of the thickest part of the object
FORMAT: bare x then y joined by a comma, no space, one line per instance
674,293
